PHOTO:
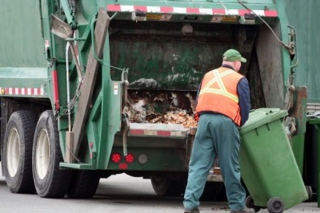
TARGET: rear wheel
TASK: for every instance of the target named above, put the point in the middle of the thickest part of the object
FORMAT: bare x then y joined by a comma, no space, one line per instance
17,151
49,180
275,205
163,186
84,184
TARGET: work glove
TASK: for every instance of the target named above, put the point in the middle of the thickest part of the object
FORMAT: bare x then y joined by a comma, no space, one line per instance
196,116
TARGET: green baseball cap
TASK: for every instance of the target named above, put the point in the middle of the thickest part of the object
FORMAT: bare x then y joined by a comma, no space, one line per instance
233,55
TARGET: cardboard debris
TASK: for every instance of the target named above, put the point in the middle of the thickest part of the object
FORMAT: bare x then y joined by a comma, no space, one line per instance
176,117
166,108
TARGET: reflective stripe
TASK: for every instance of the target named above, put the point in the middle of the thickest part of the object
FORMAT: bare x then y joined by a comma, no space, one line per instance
222,91
220,82
227,72
190,10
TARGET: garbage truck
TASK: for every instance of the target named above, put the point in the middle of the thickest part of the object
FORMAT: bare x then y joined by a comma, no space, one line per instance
306,139
94,88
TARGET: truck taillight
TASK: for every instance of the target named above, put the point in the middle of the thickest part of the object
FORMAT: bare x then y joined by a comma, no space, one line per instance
129,158
116,158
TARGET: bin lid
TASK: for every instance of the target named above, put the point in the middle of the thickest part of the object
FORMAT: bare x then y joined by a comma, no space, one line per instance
261,116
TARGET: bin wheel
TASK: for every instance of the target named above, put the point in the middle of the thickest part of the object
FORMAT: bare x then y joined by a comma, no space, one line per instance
309,192
275,205
250,204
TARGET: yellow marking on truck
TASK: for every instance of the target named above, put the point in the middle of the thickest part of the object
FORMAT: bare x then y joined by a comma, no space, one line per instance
3,91
230,18
152,16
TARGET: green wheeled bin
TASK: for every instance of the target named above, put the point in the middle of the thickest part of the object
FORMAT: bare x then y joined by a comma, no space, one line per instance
268,166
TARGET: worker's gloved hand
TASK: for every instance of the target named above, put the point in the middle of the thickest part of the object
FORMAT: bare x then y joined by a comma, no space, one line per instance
196,116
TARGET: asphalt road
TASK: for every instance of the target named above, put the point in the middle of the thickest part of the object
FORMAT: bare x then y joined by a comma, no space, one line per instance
120,193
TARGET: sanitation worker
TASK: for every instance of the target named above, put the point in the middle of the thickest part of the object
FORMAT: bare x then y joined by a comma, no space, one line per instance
223,105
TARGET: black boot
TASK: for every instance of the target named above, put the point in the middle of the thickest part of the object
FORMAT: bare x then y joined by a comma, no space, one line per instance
196,210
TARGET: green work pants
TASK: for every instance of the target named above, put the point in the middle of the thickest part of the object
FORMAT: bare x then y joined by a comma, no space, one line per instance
216,135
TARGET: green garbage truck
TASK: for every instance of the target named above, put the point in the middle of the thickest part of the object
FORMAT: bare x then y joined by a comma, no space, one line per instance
93,88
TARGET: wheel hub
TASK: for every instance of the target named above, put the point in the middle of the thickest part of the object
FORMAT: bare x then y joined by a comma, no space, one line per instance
13,152
42,153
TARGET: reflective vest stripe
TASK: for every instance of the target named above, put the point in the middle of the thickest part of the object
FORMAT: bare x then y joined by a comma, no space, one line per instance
222,91
227,72
220,82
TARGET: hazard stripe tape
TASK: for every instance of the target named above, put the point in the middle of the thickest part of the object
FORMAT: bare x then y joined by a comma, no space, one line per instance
188,10
24,91
161,133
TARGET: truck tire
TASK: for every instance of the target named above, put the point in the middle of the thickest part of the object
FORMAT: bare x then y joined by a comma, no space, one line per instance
49,180
17,151
84,184
164,186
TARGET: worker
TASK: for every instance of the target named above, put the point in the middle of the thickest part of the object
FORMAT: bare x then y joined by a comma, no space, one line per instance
223,105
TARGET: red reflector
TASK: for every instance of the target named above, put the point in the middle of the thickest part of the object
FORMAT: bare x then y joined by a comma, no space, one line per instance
113,7
163,133
193,10
116,158
271,13
242,12
137,132
166,9
129,158
219,11
141,8
123,166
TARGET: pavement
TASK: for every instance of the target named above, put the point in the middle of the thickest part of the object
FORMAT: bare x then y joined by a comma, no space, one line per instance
119,193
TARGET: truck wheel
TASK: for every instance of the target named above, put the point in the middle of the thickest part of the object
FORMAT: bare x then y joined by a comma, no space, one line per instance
164,186
275,205
17,151
49,180
84,184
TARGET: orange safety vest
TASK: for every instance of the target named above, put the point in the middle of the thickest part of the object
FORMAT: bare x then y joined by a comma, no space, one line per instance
218,93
